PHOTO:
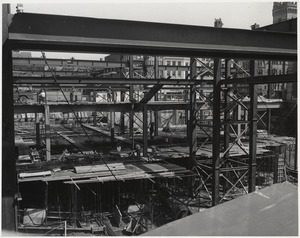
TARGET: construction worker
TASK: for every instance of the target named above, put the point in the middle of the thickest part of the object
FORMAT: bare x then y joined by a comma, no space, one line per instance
42,96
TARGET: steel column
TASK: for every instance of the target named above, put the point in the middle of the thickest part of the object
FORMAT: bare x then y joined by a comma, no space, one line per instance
269,93
122,117
253,130
37,132
192,129
156,75
112,121
47,132
145,129
9,181
94,112
226,111
131,113
216,131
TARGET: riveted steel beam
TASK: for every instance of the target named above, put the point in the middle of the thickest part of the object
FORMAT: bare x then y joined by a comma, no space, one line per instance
68,33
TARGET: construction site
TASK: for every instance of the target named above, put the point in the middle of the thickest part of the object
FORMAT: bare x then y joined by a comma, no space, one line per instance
176,125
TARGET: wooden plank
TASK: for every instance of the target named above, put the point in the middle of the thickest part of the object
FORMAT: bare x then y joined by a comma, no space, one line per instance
98,168
36,174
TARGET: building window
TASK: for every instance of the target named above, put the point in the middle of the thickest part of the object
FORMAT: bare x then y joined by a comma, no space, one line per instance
174,73
174,63
179,63
179,73
187,64
168,62
274,71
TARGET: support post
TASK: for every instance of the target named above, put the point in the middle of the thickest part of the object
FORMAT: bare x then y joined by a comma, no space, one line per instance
47,132
216,131
94,112
269,116
239,117
122,118
192,132
37,131
269,112
227,120
9,177
145,129
131,113
253,130
226,111
46,200
156,75
112,123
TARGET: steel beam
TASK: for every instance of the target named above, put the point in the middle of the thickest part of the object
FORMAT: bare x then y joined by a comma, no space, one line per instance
252,130
19,80
125,107
216,131
68,33
283,78
154,90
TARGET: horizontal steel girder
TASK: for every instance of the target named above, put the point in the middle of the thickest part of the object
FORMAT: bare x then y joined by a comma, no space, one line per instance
283,78
123,107
80,34
111,81
81,66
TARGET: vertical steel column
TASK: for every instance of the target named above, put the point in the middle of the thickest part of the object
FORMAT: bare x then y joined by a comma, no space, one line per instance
145,129
192,132
131,113
94,112
216,131
226,119
239,117
269,112
37,131
47,132
9,177
112,121
253,130
156,75
226,111
122,118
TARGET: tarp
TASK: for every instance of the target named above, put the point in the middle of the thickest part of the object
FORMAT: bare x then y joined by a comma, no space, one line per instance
271,211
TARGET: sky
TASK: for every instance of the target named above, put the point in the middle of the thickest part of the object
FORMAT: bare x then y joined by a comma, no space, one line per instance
234,14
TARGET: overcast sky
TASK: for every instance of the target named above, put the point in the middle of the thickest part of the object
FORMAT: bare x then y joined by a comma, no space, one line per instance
238,14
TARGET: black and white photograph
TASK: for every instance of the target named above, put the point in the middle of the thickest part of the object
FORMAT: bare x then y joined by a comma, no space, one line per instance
149,118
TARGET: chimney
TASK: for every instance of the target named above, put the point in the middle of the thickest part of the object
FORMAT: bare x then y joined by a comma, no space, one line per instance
255,26
218,23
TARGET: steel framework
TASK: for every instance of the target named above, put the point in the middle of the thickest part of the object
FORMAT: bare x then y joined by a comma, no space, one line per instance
28,32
